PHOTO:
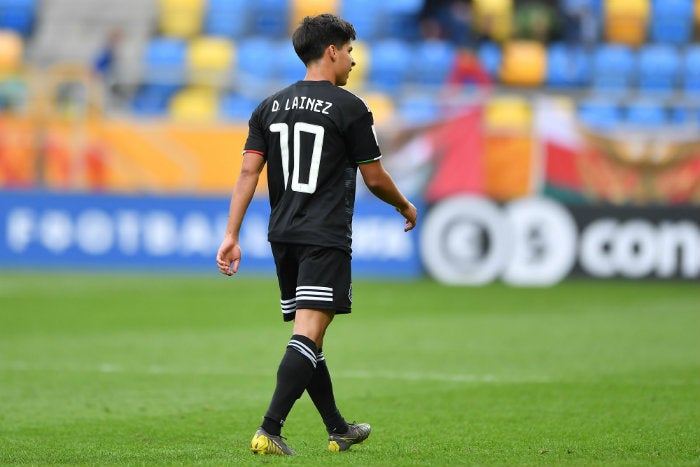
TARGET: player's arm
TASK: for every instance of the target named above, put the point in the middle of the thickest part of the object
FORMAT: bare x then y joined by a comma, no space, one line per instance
380,183
229,255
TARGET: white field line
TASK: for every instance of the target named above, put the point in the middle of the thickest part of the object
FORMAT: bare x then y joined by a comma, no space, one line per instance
106,368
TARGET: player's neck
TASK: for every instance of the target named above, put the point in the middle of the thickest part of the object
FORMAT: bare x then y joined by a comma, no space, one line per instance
320,72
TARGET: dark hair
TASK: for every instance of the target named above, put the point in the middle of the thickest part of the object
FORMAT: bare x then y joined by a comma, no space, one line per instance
315,33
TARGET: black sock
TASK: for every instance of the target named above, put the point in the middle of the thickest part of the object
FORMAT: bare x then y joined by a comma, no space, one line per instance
293,375
320,390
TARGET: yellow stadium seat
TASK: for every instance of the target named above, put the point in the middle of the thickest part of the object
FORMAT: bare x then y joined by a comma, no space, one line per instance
494,18
626,21
361,55
697,14
181,18
11,50
508,113
195,105
209,60
302,8
524,63
381,105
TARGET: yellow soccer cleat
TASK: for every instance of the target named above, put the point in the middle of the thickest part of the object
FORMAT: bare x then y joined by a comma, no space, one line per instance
356,434
265,443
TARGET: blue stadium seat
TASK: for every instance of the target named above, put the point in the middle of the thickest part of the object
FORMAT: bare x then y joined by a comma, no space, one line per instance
599,114
647,114
567,66
671,21
164,61
691,71
684,115
400,18
255,68
18,15
390,62
418,109
613,68
432,62
291,68
270,18
151,100
229,18
659,68
490,56
234,106
365,16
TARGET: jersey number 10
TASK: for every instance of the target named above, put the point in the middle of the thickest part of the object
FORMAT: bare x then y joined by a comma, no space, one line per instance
317,131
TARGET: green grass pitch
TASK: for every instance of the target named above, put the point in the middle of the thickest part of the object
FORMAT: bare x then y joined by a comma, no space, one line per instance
118,370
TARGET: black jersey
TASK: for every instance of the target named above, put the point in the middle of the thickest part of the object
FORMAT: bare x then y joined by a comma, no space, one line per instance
313,135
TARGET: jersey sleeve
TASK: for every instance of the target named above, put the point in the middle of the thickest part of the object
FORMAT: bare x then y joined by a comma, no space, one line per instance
256,134
361,139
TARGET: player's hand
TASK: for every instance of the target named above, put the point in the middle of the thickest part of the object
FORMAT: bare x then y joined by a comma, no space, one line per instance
229,257
410,213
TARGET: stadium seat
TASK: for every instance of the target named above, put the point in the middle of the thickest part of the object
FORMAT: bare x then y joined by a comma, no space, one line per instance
270,18
508,112
209,60
691,71
568,66
291,68
18,15
365,16
490,56
381,105
391,61
11,51
626,21
151,100
194,105
646,114
400,18
599,114
613,68
237,107
255,69
181,18
659,68
303,8
493,19
671,21
164,61
524,63
433,60
228,18
416,109
363,63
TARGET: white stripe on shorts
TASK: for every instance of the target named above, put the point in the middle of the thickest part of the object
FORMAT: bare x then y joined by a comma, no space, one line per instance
315,293
288,306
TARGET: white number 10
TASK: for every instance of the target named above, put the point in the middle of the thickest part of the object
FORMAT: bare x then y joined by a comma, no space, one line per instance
318,132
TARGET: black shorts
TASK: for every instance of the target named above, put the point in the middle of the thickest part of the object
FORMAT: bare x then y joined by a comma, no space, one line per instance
312,277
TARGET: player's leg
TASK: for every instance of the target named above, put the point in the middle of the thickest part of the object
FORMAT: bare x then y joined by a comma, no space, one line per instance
297,364
325,278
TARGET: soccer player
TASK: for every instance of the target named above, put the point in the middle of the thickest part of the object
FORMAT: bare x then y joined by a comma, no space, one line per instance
313,136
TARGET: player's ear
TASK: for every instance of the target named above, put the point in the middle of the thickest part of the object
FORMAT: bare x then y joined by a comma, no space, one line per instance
332,51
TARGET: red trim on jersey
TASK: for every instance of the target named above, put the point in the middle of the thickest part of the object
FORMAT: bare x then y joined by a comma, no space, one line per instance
253,151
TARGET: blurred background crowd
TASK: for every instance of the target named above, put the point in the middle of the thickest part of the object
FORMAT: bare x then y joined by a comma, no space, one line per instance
618,64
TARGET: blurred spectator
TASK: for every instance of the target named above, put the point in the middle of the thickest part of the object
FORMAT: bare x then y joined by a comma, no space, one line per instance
536,20
447,20
103,64
581,21
468,70
104,68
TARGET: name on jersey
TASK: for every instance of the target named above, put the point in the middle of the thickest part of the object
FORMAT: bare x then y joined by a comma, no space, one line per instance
303,103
